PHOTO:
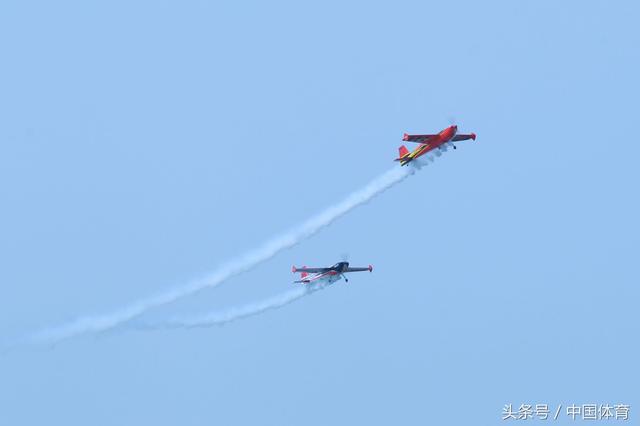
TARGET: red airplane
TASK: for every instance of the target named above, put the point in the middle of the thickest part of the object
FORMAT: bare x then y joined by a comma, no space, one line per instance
429,143
328,275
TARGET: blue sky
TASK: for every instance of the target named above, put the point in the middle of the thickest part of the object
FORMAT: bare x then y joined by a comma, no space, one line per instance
145,143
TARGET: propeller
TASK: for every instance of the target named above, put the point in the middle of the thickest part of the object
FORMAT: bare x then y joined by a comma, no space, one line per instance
452,122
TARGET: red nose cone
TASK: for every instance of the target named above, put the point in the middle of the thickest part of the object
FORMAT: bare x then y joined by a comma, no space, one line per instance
405,137
370,268
473,136
293,269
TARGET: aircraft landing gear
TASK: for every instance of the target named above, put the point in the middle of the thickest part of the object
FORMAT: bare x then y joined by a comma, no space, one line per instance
455,147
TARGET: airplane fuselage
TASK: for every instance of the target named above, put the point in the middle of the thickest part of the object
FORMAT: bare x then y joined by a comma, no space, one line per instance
327,277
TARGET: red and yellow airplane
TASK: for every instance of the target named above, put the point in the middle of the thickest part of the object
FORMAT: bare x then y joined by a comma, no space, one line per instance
328,275
430,142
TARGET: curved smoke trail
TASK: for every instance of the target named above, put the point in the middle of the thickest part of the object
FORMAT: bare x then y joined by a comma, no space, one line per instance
99,323
235,313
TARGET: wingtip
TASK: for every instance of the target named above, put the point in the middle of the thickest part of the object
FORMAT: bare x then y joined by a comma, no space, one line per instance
293,269
405,137
473,136
370,268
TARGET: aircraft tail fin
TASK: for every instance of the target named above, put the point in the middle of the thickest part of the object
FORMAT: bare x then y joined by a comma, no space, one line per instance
303,275
402,151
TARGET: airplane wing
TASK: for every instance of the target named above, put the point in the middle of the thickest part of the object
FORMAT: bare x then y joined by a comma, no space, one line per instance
310,270
368,268
464,137
416,138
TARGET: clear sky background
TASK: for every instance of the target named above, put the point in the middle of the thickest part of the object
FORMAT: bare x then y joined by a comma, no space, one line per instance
142,144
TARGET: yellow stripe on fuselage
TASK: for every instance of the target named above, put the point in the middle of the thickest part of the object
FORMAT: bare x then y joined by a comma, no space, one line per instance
418,150
413,154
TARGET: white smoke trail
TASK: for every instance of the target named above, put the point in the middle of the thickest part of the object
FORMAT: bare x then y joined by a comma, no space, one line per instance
236,313
99,323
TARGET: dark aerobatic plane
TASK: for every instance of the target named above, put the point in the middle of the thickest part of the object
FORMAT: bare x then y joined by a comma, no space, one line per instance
328,275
